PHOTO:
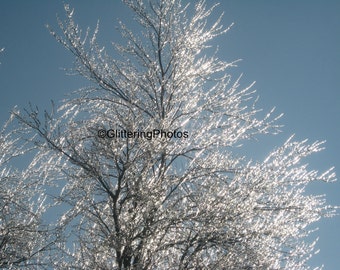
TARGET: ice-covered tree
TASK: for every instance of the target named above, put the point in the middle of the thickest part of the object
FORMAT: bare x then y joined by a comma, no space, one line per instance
24,241
147,162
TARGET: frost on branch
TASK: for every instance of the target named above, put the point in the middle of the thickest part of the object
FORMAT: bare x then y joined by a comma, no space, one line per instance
134,203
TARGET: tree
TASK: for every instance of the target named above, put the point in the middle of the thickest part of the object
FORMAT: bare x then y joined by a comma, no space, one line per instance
146,157
24,240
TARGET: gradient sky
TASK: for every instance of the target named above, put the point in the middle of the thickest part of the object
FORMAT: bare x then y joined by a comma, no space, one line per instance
290,48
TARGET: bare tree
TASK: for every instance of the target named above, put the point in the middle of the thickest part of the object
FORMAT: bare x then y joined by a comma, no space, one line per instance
145,156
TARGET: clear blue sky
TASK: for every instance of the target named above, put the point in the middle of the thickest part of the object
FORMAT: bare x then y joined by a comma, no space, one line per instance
290,48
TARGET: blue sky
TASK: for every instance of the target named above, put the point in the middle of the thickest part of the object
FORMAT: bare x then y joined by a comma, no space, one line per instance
290,48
